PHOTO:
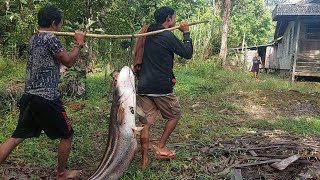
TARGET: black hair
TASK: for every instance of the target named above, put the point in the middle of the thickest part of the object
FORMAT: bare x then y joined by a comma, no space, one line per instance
161,14
48,15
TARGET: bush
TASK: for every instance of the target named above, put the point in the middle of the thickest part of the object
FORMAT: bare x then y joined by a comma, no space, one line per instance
11,84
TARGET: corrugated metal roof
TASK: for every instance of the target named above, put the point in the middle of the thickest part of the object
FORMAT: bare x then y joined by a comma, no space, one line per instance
252,47
308,1
305,8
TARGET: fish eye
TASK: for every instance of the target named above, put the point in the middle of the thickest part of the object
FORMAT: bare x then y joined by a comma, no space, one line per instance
131,110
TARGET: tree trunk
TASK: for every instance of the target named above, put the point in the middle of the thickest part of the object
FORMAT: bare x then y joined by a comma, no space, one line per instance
30,4
7,7
225,27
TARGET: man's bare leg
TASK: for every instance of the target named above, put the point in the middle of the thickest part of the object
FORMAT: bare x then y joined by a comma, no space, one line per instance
63,153
144,141
169,127
7,147
256,75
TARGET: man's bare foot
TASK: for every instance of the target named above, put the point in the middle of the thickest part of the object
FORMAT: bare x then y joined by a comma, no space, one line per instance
69,174
144,163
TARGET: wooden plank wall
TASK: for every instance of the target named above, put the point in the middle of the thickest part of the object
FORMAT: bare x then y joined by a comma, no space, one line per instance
281,56
271,60
308,62
288,47
308,59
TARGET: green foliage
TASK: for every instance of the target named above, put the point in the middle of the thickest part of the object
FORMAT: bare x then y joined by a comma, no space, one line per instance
97,86
253,18
18,22
11,74
186,9
11,71
73,82
126,17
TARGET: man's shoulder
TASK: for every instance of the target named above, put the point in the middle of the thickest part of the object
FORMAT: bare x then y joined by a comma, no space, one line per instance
46,36
43,38
168,33
165,35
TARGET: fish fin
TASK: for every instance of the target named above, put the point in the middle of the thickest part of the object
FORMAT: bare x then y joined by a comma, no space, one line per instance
137,130
140,112
120,115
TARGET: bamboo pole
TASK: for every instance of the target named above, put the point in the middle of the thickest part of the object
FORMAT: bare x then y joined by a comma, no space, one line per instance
124,36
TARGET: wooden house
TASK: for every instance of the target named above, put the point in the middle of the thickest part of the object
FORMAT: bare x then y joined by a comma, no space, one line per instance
297,48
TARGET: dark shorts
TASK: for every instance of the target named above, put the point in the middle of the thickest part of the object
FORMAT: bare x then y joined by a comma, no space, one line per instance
255,68
38,114
168,106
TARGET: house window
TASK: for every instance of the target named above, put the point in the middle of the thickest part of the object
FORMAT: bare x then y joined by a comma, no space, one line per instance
313,31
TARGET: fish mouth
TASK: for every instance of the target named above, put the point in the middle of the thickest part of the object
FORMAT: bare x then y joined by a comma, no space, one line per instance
123,86
124,81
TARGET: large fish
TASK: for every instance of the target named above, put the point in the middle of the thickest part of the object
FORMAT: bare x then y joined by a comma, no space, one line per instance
122,142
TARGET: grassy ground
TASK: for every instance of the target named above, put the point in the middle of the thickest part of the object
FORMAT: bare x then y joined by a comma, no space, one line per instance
217,104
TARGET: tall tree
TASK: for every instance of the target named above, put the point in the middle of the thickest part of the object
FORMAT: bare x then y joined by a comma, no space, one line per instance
224,37
253,18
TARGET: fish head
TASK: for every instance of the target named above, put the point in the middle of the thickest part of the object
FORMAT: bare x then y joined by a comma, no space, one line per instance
125,93
124,80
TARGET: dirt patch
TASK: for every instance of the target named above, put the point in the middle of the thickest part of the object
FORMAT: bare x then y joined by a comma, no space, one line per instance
21,171
268,104
262,104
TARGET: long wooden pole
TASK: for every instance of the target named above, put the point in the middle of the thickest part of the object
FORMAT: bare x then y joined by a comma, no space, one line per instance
124,36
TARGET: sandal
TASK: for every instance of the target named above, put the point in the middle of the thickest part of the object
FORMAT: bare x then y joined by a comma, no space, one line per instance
160,155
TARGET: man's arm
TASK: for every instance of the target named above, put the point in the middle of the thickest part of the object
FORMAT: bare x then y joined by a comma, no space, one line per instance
184,48
69,59
260,60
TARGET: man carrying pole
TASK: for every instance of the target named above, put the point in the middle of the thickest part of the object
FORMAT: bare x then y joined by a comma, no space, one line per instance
153,63
40,105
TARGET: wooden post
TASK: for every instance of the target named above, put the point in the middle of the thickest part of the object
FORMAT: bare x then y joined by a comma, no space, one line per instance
242,52
298,24
243,40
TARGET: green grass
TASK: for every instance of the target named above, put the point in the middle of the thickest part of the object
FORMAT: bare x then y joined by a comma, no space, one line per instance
198,81
10,71
300,125
198,77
